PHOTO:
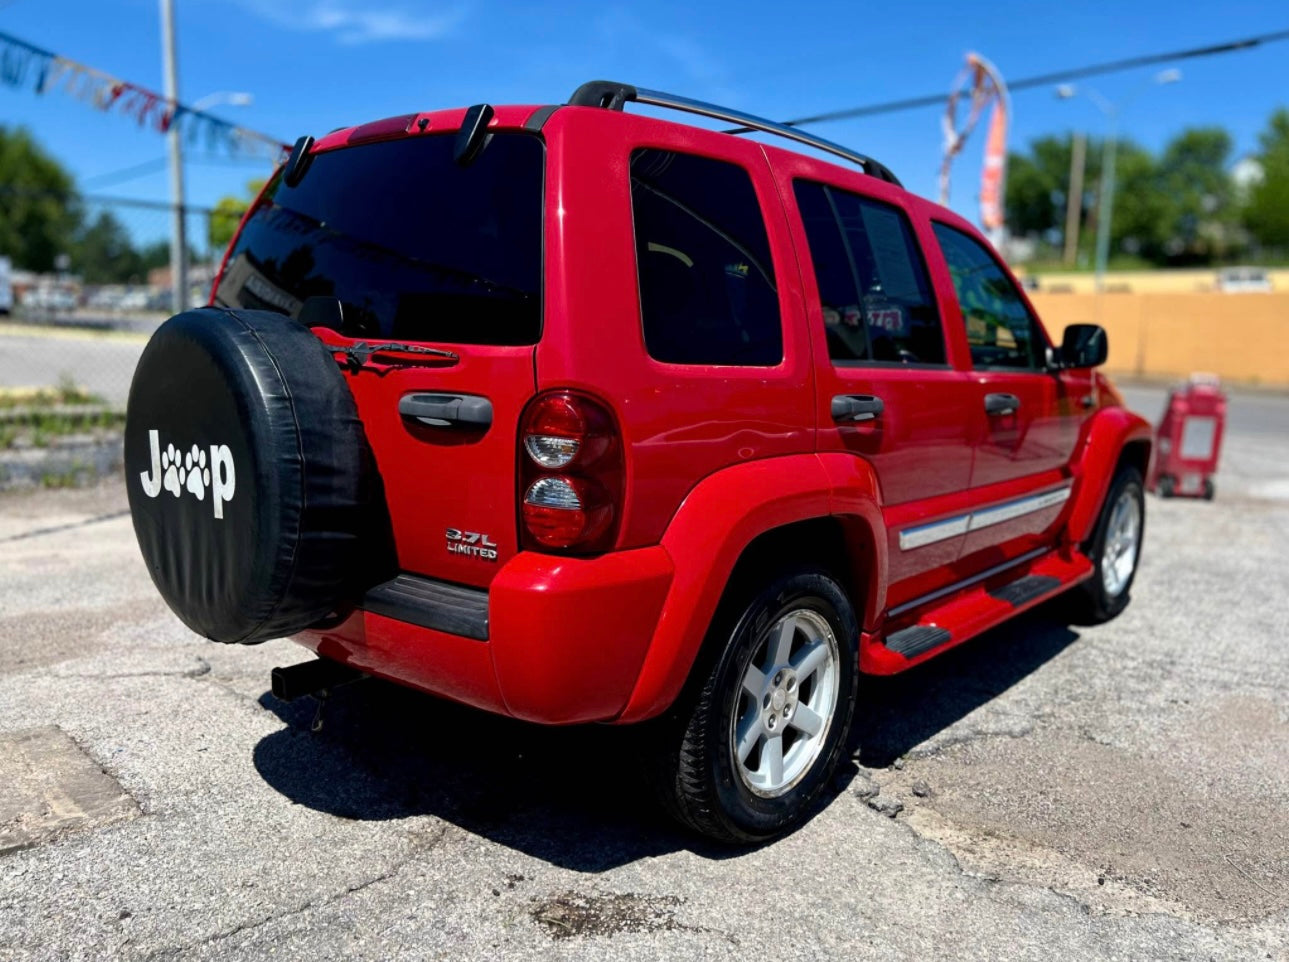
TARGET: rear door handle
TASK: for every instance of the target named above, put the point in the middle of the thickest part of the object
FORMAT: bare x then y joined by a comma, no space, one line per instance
999,405
856,407
447,410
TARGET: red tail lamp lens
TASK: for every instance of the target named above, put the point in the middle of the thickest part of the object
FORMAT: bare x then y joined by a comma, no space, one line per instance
570,473
563,428
562,511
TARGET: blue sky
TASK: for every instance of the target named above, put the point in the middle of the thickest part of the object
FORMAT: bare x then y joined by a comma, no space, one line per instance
313,65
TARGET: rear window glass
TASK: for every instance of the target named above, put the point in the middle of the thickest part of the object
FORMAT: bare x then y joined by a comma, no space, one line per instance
415,246
707,293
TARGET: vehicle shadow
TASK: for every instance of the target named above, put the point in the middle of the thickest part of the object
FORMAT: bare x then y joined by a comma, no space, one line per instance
899,712
576,797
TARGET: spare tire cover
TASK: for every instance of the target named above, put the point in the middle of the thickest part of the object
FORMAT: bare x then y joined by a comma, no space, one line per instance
244,459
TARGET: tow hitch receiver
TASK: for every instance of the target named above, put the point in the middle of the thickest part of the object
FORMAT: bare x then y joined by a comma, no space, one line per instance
311,678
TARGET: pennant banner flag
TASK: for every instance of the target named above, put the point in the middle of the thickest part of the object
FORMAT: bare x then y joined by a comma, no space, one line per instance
982,83
23,65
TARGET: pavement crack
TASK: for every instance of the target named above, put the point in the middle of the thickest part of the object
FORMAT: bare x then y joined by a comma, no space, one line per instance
70,526
421,842
202,669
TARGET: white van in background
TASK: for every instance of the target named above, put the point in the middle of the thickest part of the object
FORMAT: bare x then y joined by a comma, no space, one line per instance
1243,280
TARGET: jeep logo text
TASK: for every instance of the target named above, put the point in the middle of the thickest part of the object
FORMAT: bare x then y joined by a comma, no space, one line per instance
193,471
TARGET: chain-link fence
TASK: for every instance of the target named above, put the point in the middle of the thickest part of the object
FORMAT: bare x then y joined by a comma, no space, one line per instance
83,284
81,318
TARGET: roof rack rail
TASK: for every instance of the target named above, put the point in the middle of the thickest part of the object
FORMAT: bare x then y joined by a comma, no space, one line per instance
614,96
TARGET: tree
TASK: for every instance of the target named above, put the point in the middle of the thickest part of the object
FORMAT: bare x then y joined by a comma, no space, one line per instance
1267,212
1193,176
1038,188
39,211
228,214
1177,208
104,254
1142,213
157,254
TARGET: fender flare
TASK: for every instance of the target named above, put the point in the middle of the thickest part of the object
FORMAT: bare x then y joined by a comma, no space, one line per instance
1107,433
717,521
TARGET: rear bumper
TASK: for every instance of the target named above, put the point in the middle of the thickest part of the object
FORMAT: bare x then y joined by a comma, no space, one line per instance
561,640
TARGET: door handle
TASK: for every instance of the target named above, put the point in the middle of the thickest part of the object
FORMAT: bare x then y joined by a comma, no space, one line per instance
856,407
1000,405
447,410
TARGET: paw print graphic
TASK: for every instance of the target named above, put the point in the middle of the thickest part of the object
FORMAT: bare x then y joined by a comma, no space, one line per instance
171,479
198,473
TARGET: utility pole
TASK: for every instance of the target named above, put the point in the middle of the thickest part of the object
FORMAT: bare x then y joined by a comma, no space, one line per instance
1074,200
178,238
1105,206
1105,213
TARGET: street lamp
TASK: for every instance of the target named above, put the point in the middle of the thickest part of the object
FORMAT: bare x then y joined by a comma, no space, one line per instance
1106,207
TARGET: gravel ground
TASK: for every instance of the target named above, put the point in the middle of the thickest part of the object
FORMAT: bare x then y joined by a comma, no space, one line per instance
1119,792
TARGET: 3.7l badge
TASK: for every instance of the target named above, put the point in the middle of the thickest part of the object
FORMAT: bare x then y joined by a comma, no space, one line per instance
471,543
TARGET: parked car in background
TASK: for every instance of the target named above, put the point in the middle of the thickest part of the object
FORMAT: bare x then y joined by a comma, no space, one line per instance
49,299
1243,280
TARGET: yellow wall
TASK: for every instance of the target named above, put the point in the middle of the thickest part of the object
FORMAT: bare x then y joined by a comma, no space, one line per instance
1189,281
1243,338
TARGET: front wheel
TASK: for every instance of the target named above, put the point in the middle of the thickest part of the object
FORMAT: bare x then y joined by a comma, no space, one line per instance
1115,549
744,757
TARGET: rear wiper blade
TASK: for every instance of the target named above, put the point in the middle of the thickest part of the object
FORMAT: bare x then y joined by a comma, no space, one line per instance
358,354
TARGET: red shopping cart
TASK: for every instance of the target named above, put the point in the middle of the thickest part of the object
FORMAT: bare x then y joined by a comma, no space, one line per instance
1189,438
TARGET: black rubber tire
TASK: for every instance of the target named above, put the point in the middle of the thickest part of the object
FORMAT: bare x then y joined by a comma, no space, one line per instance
249,408
692,762
1089,603
1209,489
1165,486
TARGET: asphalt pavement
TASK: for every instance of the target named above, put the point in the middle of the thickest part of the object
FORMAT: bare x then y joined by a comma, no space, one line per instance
1048,790
102,362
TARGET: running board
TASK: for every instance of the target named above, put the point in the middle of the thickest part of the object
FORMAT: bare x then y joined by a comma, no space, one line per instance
912,642
951,616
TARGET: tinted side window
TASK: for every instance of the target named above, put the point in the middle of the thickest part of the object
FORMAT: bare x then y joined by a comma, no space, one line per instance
707,291
1000,330
873,287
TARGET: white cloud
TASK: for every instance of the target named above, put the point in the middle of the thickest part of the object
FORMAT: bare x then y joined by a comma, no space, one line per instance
355,21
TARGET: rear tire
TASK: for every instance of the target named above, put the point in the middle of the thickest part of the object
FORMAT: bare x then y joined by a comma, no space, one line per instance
752,745
1115,550
1165,486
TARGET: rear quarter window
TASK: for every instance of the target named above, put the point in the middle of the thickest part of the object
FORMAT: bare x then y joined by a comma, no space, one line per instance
707,291
415,246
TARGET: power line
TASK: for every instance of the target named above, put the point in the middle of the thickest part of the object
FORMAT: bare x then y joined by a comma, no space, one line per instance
136,171
1042,80
103,199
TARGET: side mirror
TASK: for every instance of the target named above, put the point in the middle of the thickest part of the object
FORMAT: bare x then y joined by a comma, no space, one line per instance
1083,345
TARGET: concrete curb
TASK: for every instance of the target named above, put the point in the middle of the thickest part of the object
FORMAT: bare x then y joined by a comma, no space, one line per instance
74,460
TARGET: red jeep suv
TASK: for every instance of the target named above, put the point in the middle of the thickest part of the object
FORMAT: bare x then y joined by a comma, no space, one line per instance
580,415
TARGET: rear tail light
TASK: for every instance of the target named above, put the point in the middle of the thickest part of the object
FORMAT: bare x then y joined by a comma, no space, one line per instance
570,475
562,512
550,451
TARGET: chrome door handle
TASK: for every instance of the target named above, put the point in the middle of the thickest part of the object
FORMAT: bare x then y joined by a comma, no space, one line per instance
856,407
1000,405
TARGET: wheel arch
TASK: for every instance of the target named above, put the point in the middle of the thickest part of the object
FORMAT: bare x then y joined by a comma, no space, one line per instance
1115,437
735,524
